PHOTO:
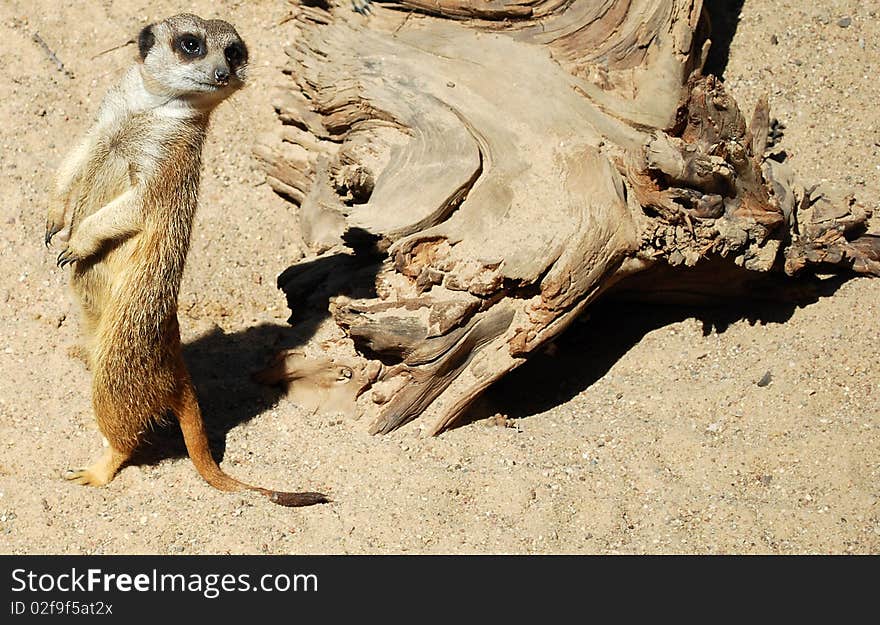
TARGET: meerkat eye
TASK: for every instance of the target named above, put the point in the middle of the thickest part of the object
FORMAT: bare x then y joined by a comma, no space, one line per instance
189,45
234,54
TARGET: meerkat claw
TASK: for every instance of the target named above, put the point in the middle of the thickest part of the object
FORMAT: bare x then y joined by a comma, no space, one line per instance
66,257
79,476
51,231
93,476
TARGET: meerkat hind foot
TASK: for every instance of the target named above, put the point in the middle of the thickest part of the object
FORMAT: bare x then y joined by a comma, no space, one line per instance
100,472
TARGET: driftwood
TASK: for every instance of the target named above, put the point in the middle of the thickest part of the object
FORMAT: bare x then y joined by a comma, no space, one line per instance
472,174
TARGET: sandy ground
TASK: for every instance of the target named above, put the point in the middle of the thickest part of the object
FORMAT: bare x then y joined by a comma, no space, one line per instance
646,432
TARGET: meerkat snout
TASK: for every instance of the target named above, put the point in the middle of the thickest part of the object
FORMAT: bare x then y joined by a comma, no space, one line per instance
221,75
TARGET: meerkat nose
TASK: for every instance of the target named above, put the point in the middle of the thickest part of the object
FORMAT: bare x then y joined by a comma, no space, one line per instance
221,75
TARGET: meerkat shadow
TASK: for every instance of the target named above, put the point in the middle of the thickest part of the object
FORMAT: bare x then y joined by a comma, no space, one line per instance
221,365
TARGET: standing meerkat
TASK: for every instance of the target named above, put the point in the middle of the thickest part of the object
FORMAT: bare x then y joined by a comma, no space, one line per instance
124,207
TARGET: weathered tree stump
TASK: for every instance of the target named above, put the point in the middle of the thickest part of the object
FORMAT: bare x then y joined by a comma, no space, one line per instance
471,174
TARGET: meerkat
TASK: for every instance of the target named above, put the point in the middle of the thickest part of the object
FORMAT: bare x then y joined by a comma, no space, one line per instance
123,208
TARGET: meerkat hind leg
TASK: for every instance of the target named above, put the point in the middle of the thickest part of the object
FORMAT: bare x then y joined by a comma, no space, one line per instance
101,471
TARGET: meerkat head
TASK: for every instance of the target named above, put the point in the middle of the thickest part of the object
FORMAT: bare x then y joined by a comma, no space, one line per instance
187,57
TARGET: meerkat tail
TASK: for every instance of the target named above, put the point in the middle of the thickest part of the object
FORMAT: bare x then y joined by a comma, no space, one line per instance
196,439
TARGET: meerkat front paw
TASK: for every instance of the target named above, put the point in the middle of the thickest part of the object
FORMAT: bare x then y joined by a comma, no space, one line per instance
79,247
71,254
56,228
58,221
66,257
51,230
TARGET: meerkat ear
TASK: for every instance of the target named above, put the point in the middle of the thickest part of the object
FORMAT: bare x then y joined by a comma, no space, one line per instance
146,40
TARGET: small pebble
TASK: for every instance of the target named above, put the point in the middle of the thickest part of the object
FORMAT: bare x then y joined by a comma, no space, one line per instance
844,22
765,379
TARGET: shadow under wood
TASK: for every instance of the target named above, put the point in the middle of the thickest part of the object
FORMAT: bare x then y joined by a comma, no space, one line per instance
310,284
587,350
723,19
221,366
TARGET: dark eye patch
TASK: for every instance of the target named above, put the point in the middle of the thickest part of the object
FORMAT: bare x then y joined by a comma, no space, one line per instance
236,54
146,39
191,46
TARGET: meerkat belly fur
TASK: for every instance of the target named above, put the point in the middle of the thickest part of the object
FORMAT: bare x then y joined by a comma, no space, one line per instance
124,207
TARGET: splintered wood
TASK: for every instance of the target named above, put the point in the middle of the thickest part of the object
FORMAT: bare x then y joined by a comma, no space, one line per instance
471,175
